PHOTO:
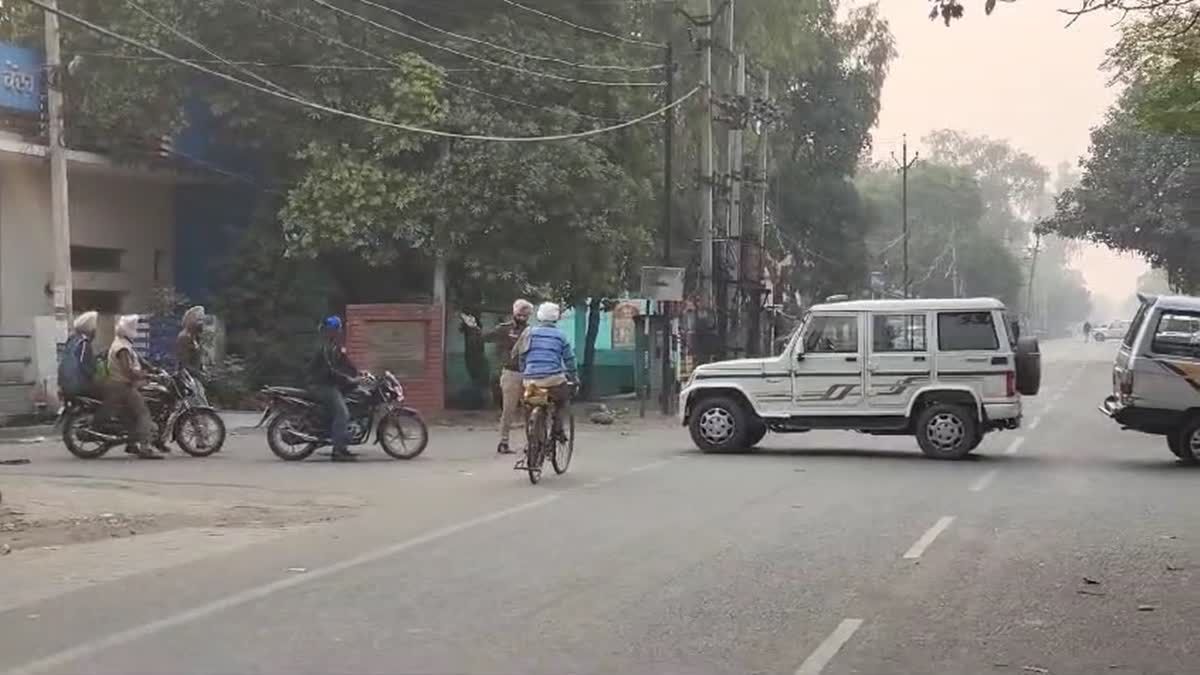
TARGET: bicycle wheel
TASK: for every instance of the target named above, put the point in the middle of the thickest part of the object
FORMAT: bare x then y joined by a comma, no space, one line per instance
561,459
533,446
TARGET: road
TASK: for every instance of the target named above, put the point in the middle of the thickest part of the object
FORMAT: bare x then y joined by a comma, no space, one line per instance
1065,547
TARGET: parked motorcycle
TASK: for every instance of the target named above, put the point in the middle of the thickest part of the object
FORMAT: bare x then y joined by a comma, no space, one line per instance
299,423
198,429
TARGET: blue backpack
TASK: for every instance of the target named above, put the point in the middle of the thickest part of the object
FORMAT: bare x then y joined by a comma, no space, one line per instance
72,376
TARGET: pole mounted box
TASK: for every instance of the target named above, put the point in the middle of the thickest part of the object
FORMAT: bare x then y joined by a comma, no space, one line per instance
664,284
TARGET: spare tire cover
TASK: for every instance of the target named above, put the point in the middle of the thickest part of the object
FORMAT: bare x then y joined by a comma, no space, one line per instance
1029,366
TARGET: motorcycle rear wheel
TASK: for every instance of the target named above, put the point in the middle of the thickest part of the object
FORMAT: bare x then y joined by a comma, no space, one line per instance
277,441
73,424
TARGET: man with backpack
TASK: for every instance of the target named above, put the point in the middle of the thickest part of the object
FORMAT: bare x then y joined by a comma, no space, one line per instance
77,369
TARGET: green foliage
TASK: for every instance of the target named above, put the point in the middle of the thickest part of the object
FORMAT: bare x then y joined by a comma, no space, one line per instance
1140,192
230,384
1160,57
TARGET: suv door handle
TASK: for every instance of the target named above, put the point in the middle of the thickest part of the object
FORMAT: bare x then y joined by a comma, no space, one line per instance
978,359
920,359
851,359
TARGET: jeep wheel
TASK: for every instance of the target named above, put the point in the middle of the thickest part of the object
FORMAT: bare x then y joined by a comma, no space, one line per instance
1185,443
946,431
758,432
720,424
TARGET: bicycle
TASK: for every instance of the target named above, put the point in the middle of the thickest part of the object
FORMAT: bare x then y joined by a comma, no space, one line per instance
539,434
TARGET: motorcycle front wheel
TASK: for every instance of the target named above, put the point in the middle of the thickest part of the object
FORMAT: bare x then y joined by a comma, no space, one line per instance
200,433
403,434
280,441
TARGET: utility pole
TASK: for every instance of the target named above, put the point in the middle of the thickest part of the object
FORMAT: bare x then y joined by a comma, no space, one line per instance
667,212
1037,246
760,235
905,165
59,211
706,166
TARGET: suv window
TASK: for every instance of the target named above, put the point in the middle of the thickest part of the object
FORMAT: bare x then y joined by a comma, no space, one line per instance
832,335
898,333
967,331
1136,325
1177,334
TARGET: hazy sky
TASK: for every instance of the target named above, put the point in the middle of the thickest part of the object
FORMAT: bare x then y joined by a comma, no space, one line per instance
1018,75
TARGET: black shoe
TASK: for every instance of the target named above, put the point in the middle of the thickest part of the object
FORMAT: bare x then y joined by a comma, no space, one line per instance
162,447
503,448
343,456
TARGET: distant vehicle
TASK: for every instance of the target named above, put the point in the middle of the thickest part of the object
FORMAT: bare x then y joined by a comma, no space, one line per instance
1156,376
1111,331
946,371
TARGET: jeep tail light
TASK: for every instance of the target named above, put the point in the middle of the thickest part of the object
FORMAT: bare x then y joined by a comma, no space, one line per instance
1126,383
1010,383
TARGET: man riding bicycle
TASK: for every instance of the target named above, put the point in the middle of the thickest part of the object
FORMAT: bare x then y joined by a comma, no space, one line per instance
548,362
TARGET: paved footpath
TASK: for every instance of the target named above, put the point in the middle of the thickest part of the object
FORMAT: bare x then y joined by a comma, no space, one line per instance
1065,547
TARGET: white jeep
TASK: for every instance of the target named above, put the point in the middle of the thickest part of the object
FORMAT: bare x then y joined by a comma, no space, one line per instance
946,371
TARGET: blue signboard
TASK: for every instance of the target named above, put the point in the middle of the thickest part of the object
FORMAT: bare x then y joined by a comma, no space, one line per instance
20,79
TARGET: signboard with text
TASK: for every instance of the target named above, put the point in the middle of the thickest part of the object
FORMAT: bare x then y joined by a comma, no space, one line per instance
20,79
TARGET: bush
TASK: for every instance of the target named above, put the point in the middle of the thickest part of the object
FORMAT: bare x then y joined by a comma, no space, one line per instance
229,385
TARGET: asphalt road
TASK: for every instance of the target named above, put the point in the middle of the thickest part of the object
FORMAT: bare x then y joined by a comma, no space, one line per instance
1065,547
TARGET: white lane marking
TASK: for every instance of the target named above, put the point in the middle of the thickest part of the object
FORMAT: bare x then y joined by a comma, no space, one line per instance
829,648
927,538
1015,446
983,481
598,482
257,593
647,467
1033,424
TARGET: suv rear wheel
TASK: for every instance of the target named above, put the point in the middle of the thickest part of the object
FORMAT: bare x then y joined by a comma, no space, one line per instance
947,431
1185,443
720,424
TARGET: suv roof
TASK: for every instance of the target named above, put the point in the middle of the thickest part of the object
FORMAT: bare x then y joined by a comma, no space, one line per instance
1184,302
919,305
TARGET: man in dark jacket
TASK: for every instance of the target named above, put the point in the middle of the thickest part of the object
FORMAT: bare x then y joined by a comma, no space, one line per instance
189,351
504,336
330,373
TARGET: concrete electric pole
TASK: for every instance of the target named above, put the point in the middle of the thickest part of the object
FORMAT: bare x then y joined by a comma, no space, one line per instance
905,164
59,205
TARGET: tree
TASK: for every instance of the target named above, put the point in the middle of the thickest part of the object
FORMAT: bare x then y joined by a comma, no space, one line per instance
1160,58
1140,191
1185,12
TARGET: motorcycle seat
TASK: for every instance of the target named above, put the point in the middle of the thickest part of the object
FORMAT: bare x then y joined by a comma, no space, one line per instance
294,392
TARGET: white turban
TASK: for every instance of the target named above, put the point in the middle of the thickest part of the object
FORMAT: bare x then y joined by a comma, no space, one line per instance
547,312
127,326
86,322
522,306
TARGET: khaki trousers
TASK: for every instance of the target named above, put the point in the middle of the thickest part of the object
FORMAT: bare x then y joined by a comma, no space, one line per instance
511,389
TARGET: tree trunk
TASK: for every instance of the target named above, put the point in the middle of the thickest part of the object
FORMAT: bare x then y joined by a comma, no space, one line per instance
589,345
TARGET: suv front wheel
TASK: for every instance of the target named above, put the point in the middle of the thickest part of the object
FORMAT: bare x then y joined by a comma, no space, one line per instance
719,424
947,431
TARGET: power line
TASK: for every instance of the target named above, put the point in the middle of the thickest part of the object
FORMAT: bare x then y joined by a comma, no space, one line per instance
263,64
198,45
399,66
509,50
585,29
348,114
480,59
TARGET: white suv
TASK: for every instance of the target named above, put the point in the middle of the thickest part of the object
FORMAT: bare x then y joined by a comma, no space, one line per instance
947,371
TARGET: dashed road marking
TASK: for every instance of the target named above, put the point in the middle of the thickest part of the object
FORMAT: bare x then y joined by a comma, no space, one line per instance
829,648
983,481
1014,446
927,538
249,595
1033,424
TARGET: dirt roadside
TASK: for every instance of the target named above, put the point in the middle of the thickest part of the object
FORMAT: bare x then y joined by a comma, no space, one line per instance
49,513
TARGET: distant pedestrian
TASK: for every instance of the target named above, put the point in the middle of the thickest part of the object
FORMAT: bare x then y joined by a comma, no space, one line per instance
1087,331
